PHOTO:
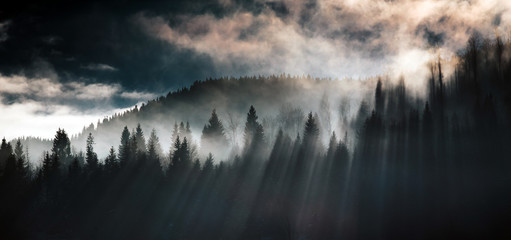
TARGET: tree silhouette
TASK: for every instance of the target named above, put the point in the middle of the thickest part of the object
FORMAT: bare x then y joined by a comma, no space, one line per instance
254,133
62,146
213,138
124,148
91,157
141,146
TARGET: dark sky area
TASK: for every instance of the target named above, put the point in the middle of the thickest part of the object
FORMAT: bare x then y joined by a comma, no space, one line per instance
77,37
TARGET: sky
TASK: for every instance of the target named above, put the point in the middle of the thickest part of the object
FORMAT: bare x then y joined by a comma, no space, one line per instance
67,64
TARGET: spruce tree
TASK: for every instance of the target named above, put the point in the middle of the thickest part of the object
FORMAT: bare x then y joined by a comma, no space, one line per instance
21,162
91,157
311,131
141,146
62,146
111,161
213,138
153,147
124,148
208,165
254,133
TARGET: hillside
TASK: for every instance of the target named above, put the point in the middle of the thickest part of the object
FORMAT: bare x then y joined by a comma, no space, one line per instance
275,98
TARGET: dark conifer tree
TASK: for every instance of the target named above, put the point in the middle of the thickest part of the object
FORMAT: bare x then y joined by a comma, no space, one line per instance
254,133
91,157
208,165
22,167
47,166
124,148
188,132
379,99
311,131
141,146
111,161
175,132
154,151
5,152
62,146
213,138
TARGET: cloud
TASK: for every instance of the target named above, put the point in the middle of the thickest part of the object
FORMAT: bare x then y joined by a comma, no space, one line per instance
45,88
334,38
99,67
35,118
38,106
138,95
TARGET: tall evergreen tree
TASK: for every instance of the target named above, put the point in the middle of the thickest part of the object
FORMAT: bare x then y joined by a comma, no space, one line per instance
47,166
133,143
62,146
111,161
22,167
208,164
175,133
311,131
91,157
18,150
379,100
5,152
124,148
141,146
188,132
254,133
213,138
153,146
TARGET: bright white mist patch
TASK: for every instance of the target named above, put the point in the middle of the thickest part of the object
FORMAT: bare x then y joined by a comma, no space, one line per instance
35,119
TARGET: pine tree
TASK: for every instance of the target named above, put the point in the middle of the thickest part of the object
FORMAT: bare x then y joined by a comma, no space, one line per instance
21,163
141,146
185,154
175,132
111,161
174,156
124,148
208,164
91,157
332,146
62,146
254,133
311,131
196,168
213,137
379,100
153,146
46,169
188,132
18,150
5,152
133,143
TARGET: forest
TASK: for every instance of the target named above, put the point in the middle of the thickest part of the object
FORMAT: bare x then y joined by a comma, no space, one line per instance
432,167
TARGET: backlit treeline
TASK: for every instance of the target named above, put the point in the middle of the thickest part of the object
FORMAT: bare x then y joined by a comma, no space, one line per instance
413,168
